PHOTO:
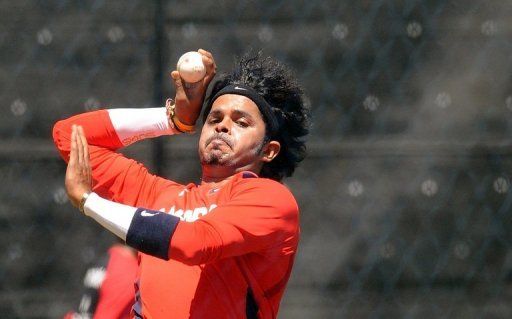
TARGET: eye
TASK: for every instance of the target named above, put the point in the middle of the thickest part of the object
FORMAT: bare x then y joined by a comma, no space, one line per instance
213,120
242,123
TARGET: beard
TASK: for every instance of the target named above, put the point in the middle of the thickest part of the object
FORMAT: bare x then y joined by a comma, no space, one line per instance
223,155
214,160
219,136
216,156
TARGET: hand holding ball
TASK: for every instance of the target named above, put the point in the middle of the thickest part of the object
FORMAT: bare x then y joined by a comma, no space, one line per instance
191,68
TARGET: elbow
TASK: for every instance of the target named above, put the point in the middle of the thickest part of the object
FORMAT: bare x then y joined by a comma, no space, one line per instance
195,244
190,256
61,139
57,127
190,260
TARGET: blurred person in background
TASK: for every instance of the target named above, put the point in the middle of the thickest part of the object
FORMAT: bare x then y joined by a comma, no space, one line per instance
108,286
223,248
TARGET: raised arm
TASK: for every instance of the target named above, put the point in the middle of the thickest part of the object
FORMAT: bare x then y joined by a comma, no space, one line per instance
114,176
113,129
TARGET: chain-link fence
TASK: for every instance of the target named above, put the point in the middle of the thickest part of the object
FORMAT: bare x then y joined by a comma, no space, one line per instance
405,197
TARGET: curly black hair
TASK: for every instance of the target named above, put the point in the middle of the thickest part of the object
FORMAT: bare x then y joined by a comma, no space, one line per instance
277,85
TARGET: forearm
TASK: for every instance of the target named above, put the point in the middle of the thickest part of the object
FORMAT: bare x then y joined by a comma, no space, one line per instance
164,236
113,216
151,231
145,230
114,128
132,125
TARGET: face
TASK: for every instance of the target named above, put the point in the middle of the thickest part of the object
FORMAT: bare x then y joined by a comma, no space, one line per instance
233,135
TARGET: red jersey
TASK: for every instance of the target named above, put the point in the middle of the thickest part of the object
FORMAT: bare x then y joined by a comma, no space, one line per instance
116,295
109,290
231,254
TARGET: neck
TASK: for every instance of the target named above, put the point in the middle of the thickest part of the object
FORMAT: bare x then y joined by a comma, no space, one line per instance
219,175
216,174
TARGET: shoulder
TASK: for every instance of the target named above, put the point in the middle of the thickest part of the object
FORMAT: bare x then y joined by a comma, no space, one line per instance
264,192
249,181
262,184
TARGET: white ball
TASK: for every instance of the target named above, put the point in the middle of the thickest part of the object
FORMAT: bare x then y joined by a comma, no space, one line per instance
191,67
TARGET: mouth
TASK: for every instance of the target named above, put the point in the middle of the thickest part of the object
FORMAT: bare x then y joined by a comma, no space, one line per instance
217,141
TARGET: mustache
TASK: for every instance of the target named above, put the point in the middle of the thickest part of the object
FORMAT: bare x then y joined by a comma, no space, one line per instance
219,136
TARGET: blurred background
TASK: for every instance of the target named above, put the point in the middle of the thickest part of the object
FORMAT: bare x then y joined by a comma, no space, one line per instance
405,197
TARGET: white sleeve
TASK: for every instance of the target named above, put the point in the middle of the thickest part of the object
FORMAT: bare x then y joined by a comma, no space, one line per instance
113,216
133,125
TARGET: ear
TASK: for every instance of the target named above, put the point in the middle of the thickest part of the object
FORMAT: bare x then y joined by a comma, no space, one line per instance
270,151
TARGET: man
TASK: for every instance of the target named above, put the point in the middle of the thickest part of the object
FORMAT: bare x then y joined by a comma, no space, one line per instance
108,286
221,249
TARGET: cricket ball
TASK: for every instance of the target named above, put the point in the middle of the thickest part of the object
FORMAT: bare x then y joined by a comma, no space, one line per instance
191,68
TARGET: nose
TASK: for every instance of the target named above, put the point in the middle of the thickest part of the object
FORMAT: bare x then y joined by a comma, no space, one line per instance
223,126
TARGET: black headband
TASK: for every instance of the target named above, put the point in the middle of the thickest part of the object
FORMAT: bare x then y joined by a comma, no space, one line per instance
263,106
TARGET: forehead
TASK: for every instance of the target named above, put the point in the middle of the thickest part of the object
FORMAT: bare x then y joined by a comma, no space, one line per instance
228,103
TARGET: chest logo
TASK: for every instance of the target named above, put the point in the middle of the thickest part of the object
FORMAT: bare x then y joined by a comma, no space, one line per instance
190,215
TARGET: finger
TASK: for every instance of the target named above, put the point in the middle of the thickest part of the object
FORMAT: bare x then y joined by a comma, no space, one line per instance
178,85
73,152
208,59
209,63
80,148
86,169
83,139
207,53
85,146
210,67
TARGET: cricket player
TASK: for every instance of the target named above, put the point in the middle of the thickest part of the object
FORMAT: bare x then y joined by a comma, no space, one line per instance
222,248
108,286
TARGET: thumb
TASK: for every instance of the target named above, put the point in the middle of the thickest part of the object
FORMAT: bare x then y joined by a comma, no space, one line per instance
178,84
